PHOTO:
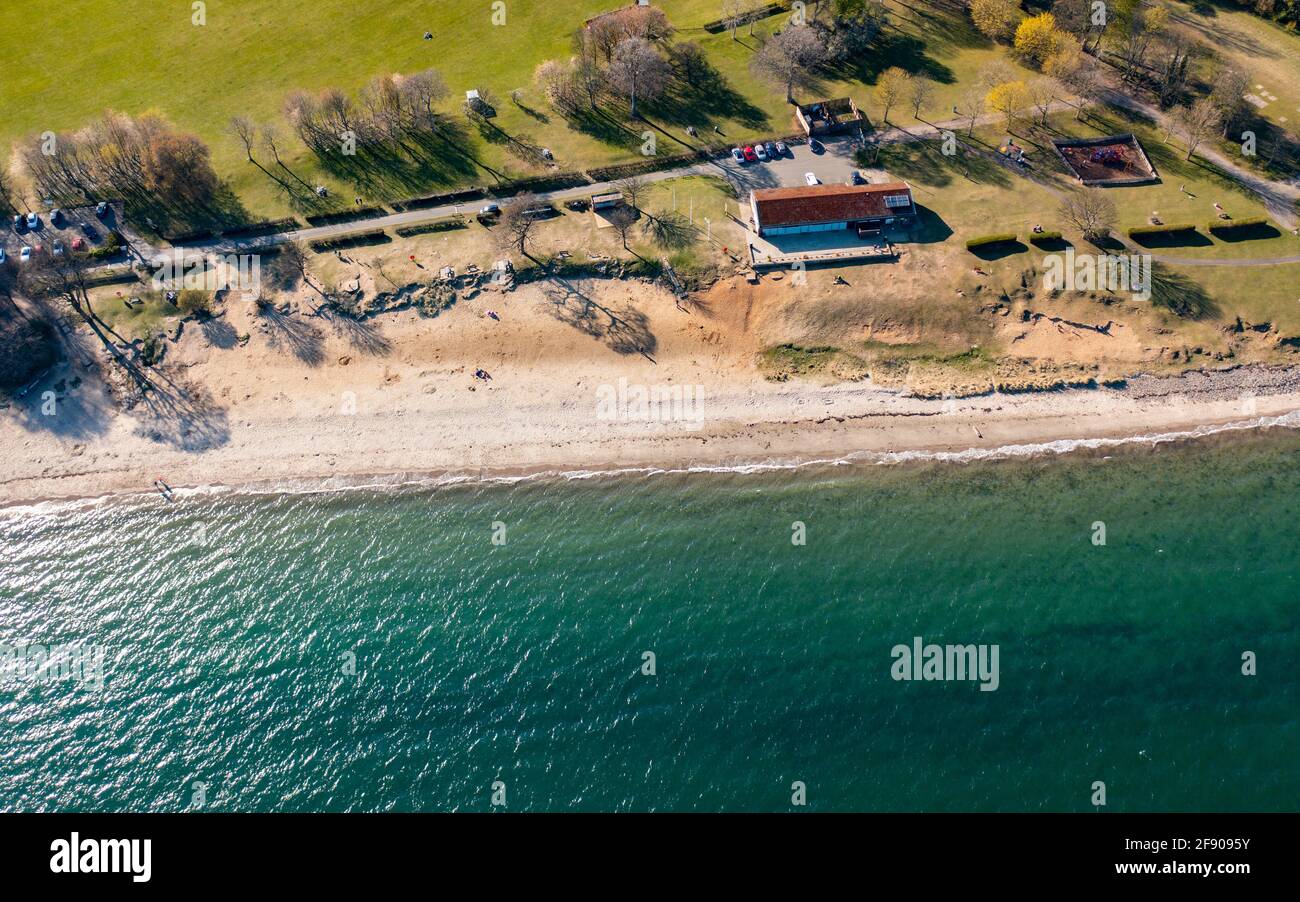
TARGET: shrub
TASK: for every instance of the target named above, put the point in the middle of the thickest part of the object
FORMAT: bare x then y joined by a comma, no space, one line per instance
442,225
987,240
378,236
1139,231
1229,225
1044,237
192,300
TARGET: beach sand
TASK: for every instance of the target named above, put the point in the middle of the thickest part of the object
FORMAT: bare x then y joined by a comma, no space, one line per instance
308,398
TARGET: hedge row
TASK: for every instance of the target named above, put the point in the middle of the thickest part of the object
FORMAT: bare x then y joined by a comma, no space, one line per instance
378,236
1045,236
442,225
556,182
1228,225
986,240
649,164
346,215
440,200
1139,231
269,227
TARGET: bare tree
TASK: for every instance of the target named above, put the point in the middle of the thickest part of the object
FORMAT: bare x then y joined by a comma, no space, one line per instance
245,130
920,96
622,218
633,188
1228,92
733,11
1197,122
1090,210
971,104
65,279
791,57
518,219
1042,94
637,70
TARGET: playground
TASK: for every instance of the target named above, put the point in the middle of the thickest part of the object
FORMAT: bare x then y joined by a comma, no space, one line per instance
1110,160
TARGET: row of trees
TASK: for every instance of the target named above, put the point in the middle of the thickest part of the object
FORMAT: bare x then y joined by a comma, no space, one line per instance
161,173
626,52
391,110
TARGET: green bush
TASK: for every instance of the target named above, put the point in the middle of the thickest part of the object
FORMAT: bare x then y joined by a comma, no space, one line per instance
1228,225
1138,231
1045,236
986,240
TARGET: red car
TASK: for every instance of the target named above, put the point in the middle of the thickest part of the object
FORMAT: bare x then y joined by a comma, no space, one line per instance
750,156
78,244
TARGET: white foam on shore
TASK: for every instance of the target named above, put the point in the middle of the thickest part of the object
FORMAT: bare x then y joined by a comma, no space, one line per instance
403,481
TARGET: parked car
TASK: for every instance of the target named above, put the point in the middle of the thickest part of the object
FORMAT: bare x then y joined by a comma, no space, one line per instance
737,155
33,220
782,149
856,178
816,146
19,222
761,152
771,150
25,254
78,244
750,156
810,178
578,205
490,210
2,255
101,209
57,249
56,217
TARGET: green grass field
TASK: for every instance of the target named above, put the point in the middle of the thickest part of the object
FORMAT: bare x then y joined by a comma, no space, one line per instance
81,57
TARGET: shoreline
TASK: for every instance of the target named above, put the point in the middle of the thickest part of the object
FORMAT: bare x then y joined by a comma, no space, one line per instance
1284,413
309,401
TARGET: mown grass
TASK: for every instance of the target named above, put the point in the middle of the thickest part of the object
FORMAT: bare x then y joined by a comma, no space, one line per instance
78,58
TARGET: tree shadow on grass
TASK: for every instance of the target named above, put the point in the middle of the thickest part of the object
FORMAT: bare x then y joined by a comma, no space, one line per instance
299,337
604,127
417,162
893,48
1180,294
701,95
922,162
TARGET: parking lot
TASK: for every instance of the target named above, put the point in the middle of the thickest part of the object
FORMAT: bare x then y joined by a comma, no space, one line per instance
833,166
78,223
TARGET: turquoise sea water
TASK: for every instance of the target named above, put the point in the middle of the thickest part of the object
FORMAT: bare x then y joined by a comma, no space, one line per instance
230,623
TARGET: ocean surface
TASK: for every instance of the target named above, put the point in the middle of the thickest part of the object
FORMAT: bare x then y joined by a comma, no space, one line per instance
375,649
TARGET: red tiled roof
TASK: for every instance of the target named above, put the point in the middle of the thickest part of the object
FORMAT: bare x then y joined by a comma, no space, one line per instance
826,203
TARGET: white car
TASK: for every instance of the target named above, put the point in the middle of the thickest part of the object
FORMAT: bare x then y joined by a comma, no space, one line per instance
25,254
2,255
33,220
761,152
810,178
737,155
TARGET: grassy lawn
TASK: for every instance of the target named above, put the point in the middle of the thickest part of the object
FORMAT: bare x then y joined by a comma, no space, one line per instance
975,196
250,54
1270,53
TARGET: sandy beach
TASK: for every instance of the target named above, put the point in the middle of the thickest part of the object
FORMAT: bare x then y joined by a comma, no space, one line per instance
300,398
